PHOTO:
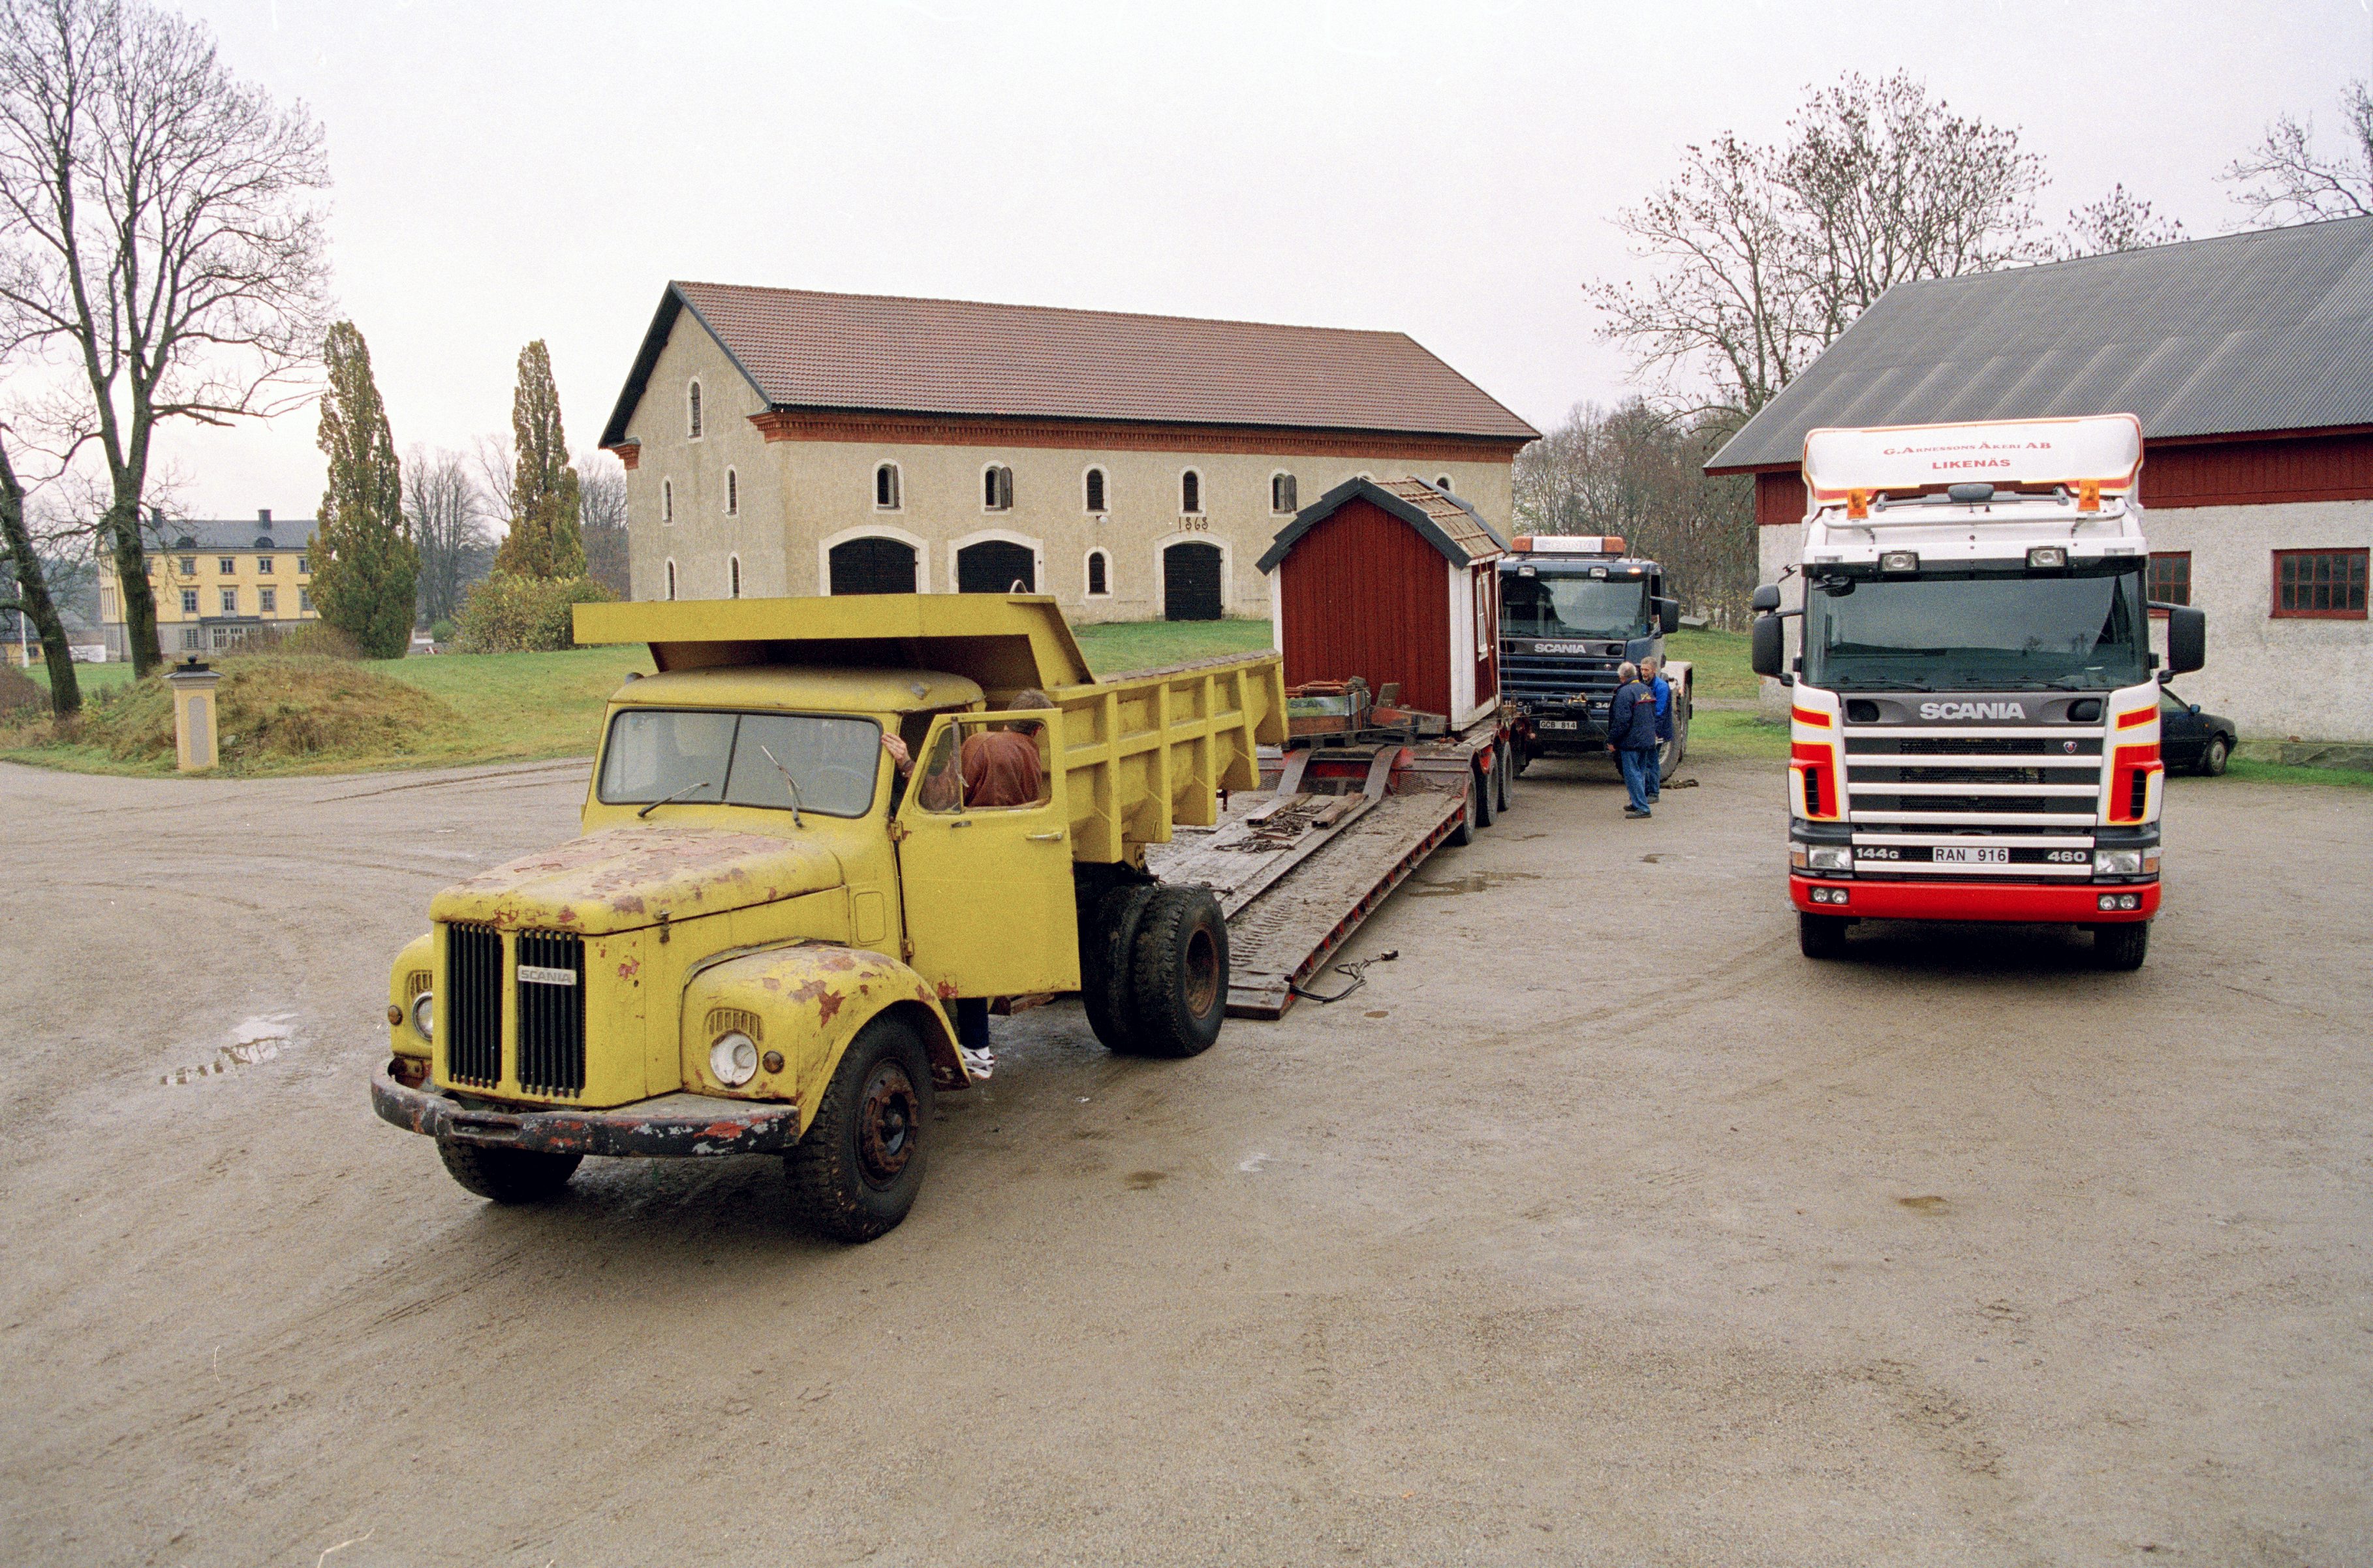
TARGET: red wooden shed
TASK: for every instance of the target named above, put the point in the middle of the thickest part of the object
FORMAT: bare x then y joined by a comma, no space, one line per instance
1393,582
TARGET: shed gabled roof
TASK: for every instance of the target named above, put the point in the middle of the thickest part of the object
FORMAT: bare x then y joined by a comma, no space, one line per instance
1444,521
2264,333
800,348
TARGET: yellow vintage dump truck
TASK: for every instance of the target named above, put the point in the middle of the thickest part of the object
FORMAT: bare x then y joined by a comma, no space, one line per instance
767,932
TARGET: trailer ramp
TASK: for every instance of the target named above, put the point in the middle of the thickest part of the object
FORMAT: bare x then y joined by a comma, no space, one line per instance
1296,874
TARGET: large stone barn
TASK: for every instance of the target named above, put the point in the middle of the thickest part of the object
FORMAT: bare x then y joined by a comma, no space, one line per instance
781,441
2250,361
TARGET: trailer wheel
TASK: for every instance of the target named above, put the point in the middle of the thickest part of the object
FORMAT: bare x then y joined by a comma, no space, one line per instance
1486,790
1105,962
506,1176
1463,834
1822,936
2121,946
1178,975
1503,776
855,1172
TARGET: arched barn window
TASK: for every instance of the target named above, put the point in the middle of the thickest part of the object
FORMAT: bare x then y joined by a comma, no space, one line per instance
886,487
1285,495
1190,493
692,411
670,579
733,577
1096,490
1099,575
997,565
873,565
732,494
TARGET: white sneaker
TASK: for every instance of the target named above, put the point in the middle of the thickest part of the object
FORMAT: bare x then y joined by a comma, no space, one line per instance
978,1065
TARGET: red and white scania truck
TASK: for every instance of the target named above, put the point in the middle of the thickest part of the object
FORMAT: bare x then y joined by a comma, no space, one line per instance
1974,705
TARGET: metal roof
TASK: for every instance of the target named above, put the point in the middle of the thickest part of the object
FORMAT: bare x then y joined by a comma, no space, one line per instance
2268,332
1444,521
800,348
168,534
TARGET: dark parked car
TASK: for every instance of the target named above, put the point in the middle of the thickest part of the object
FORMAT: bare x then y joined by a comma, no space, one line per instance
2191,739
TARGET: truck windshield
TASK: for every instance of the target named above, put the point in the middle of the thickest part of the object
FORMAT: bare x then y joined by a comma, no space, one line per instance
1573,606
703,756
1978,631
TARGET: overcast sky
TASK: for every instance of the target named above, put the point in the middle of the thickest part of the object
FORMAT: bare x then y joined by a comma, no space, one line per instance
521,170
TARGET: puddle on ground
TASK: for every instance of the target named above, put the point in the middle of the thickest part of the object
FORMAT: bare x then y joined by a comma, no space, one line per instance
1137,1181
1927,1203
1477,882
253,1041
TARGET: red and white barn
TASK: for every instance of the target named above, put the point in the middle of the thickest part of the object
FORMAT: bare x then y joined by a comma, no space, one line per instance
1395,583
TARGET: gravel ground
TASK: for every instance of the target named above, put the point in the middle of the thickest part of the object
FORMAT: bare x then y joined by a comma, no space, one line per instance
1600,1227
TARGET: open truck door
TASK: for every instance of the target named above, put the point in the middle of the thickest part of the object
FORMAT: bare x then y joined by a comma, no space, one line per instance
990,905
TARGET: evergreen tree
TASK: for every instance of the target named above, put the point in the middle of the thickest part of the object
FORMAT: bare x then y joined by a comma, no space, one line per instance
544,540
366,568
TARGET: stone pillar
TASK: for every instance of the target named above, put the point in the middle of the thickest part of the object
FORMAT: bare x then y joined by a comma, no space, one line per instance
196,737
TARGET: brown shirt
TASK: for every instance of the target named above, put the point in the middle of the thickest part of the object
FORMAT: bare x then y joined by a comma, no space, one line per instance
1000,768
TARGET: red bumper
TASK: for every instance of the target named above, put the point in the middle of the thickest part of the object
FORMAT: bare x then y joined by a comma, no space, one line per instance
2077,903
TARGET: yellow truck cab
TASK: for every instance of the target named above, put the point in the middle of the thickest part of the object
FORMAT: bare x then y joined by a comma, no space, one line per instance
762,938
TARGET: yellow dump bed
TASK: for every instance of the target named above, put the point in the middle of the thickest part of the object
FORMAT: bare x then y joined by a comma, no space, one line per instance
1141,751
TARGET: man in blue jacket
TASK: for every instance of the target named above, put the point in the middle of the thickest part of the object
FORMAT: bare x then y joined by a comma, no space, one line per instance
1652,674
1631,735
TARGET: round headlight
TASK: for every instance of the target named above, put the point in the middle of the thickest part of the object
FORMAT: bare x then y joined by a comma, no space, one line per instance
734,1059
424,1015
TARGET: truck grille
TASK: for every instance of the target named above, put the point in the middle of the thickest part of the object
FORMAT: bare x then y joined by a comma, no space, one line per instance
473,1005
1551,680
2021,783
551,1014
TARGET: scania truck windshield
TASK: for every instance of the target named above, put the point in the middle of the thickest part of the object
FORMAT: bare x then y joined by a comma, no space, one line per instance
1978,631
1553,606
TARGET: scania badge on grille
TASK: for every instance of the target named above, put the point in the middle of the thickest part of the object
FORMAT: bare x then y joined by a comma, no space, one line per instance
537,975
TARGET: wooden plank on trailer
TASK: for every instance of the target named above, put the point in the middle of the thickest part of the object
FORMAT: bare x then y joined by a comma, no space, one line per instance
1258,842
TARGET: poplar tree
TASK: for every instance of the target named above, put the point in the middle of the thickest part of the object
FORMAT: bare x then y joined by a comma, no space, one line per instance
544,540
366,568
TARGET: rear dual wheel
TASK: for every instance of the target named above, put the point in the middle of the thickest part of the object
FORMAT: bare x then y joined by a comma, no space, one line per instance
1154,973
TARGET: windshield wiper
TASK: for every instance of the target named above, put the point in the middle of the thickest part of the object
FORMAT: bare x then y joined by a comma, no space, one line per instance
789,783
671,800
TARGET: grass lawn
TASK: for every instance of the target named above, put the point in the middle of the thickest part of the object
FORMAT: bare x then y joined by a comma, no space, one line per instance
1721,661
1117,647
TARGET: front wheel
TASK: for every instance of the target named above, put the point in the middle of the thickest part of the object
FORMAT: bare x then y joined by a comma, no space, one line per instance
2213,759
1178,975
506,1176
2121,946
856,1171
1822,936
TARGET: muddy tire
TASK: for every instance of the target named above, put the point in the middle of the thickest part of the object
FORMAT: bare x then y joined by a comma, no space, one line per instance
1486,797
1106,949
856,1171
2121,946
506,1176
1178,975
1463,833
1821,936
1503,776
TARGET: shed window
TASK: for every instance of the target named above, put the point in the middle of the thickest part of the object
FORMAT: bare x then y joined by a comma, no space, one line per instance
1096,492
1285,495
692,411
886,487
732,494
2171,577
1190,493
733,577
1099,582
2325,584
997,488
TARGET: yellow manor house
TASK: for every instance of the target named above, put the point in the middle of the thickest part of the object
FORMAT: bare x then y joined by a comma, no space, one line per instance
217,582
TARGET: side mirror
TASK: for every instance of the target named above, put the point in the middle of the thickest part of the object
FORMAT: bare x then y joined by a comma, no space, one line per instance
2187,639
1668,615
2193,709
1767,643
1766,600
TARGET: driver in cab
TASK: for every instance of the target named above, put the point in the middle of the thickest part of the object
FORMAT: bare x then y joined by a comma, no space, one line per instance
999,766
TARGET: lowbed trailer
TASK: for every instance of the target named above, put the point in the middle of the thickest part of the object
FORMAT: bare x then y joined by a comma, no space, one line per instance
1299,864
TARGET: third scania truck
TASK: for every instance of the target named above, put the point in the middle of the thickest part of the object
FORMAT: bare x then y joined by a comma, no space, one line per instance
1973,720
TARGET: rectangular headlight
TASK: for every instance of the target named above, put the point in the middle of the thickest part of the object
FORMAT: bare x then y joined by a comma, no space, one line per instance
1831,857
2117,863
2047,558
1899,561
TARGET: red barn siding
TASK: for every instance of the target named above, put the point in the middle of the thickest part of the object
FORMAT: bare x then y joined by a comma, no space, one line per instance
1779,497
1362,594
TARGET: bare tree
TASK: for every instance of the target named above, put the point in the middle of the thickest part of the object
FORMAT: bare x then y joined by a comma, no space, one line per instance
2284,180
601,517
158,233
31,598
449,523
2119,221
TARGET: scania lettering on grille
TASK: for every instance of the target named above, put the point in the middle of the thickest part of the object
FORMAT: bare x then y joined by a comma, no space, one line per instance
1560,648
1972,710
537,975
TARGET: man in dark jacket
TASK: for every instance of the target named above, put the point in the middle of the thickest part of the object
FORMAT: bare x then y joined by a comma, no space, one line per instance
1631,735
1652,675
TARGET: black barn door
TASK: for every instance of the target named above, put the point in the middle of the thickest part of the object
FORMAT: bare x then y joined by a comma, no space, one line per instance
994,566
873,566
1190,582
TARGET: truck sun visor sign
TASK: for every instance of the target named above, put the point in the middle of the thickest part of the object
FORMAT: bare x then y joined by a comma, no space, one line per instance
2107,449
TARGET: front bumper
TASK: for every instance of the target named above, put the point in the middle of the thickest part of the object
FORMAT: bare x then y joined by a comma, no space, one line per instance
2073,903
669,1126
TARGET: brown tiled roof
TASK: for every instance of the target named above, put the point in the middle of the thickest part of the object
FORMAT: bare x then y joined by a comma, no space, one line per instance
1441,519
1465,530
805,349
